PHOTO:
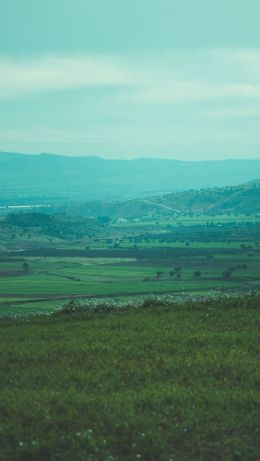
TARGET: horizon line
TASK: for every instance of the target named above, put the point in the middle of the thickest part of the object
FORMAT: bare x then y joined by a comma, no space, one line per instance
38,154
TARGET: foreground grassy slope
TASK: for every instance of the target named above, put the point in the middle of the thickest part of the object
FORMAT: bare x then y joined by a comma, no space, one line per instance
161,383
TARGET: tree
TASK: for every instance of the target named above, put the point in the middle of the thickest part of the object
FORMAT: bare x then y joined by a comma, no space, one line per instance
196,274
103,219
227,275
25,267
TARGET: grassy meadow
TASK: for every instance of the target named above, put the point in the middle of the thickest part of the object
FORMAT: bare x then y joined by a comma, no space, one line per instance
173,382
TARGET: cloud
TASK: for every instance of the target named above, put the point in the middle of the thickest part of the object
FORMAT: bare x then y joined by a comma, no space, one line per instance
183,92
178,103
57,73
189,76
175,77
242,111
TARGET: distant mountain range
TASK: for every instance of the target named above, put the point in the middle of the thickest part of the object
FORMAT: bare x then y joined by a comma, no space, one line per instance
51,178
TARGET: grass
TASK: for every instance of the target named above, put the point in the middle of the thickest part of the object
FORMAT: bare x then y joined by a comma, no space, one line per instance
10,307
39,286
169,383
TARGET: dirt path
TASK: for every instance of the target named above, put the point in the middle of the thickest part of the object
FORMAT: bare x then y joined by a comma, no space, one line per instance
161,205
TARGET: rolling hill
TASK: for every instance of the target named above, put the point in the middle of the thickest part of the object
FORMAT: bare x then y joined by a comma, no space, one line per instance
243,199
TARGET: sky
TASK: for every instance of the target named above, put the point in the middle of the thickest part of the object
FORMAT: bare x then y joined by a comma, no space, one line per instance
131,78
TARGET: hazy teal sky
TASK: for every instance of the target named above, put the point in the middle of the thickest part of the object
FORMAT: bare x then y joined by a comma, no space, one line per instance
127,78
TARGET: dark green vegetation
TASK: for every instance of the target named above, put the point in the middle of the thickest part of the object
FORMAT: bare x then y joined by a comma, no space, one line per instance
176,382
50,178
48,225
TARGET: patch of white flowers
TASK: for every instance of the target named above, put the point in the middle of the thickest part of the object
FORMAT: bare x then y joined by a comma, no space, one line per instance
80,304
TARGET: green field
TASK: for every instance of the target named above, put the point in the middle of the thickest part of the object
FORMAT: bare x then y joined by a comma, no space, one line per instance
57,278
177,382
187,255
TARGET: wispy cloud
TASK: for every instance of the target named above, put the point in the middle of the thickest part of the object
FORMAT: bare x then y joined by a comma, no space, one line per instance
175,77
183,92
199,75
23,76
227,112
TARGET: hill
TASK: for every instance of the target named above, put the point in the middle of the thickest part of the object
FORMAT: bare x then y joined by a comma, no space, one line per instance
243,199
41,224
50,178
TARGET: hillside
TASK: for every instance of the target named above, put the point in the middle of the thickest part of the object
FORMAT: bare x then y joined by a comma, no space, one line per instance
41,224
49,178
243,199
